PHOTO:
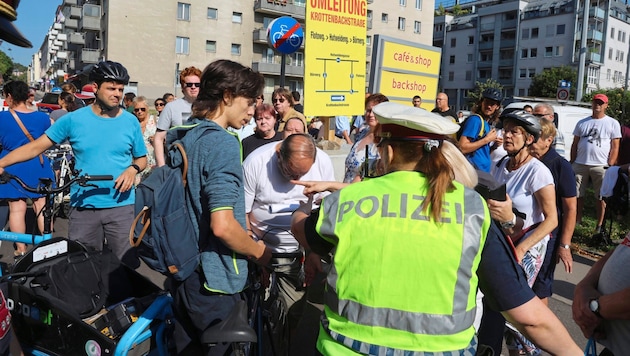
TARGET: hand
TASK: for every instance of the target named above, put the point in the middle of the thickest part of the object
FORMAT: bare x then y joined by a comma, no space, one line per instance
492,135
498,141
306,206
125,181
501,210
313,187
566,257
312,266
582,314
265,258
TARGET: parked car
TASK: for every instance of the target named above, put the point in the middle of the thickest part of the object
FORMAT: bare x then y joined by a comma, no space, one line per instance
565,119
49,103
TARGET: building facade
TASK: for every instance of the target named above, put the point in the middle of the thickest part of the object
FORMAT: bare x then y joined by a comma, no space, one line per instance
155,39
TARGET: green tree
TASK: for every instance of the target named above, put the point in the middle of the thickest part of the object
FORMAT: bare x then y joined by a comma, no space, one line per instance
545,83
475,95
6,66
458,11
441,11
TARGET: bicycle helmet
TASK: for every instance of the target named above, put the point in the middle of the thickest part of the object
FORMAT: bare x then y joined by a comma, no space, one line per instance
108,71
492,94
529,122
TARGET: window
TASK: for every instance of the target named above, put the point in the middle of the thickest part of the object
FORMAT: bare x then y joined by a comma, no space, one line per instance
401,23
471,40
402,2
621,56
368,40
451,76
531,72
468,75
560,29
418,4
525,34
469,58
92,10
451,60
607,74
612,33
267,21
183,11
617,55
212,13
524,53
384,17
237,17
453,42
548,51
534,33
182,45
269,56
417,26
211,46
550,30
522,73
297,59
559,51
533,52
610,51
236,49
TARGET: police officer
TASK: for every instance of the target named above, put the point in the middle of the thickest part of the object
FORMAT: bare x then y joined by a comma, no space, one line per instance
408,245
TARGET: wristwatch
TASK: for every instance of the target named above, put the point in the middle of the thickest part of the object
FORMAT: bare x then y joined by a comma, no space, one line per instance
566,247
509,224
593,304
136,167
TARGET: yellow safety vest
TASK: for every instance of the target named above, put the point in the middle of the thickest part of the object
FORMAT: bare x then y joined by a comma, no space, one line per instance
401,283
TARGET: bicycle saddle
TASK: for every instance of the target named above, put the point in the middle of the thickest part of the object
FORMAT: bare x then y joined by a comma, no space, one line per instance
234,328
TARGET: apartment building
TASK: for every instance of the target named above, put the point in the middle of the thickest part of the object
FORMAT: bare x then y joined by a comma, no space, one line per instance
512,41
155,39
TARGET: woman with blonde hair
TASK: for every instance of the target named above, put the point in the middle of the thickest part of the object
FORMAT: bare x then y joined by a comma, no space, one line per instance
147,124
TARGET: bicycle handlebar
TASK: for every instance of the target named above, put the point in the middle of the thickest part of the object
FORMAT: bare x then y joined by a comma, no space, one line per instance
5,177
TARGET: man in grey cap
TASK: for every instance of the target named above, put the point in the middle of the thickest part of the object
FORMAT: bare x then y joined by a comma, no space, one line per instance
8,31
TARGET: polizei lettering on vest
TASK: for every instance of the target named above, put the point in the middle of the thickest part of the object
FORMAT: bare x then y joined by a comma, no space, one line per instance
409,206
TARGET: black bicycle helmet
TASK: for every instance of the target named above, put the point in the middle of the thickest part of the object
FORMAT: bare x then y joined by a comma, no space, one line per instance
529,122
492,94
108,71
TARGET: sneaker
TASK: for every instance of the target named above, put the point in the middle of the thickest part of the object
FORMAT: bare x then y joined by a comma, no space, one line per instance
598,229
18,256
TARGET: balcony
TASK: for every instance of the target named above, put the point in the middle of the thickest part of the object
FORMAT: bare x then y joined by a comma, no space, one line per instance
62,37
62,55
260,35
506,81
596,12
292,8
507,43
57,43
274,69
487,27
484,64
593,57
486,45
57,26
75,12
76,38
72,64
89,23
595,35
506,62
90,55
71,23
69,3
507,24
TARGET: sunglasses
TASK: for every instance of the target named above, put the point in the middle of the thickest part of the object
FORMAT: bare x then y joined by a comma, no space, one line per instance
139,109
159,104
190,85
279,100
540,115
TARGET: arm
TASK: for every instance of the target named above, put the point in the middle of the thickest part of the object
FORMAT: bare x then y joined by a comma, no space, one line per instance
614,151
542,327
468,146
569,209
311,187
26,152
574,146
546,197
347,137
586,290
126,179
158,147
225,227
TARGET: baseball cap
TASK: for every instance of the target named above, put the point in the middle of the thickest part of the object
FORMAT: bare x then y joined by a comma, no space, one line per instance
87,92
407,122
8,31
601,97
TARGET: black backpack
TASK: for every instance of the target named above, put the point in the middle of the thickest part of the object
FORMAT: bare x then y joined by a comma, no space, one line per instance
163,231
618,202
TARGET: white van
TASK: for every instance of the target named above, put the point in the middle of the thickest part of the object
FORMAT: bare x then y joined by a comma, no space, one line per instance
565,118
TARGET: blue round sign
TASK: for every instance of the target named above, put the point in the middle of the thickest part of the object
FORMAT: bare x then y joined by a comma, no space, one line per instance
285,35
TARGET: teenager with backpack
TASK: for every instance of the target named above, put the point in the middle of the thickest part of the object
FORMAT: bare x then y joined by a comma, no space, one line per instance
106,140
216,203
476,134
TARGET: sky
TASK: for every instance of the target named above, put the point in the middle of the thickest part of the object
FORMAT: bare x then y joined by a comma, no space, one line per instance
34,19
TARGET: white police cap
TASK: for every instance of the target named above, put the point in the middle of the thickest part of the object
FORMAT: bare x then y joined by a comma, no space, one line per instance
416,119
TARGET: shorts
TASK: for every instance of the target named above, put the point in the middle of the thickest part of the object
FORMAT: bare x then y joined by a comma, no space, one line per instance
585,174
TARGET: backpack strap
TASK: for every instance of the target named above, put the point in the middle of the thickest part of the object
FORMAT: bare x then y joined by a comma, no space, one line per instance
146,219
182,151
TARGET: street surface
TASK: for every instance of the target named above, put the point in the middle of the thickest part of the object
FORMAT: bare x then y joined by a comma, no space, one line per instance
560,302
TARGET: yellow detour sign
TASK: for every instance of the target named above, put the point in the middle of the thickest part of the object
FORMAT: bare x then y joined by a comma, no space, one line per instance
402,69
334,76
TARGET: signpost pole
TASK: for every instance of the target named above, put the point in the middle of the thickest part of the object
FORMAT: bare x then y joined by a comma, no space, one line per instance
283,63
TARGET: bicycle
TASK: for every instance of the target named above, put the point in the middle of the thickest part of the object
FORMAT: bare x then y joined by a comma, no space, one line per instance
294,40
63,164
46,328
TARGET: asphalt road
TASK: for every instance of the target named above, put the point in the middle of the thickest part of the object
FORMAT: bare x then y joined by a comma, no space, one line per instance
560,302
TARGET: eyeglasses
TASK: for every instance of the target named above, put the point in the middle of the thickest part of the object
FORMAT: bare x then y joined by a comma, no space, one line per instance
540,115
159,104
279,100
190,85
139,109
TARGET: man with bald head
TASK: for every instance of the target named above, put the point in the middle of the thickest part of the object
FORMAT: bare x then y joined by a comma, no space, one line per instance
442,108
270,199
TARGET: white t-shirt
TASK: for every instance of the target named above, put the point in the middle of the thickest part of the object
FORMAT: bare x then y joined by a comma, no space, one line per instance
521,185
614,277
595,138
270,198
175,113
